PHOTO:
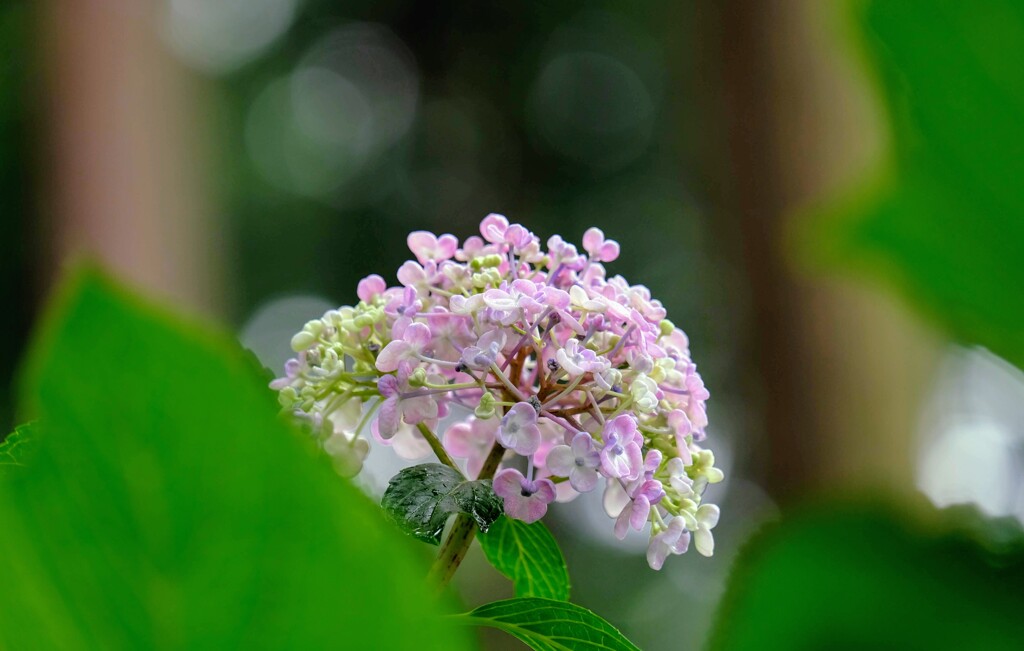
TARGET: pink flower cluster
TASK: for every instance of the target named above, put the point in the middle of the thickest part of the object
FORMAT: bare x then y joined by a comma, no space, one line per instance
565,379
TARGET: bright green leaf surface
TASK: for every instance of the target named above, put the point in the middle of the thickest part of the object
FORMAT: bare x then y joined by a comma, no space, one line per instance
421,498
864,578
529,555
549,625
16,448
167,508
948,227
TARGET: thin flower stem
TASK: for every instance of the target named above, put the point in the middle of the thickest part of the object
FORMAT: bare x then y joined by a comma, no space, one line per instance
508,385
435,445
463,530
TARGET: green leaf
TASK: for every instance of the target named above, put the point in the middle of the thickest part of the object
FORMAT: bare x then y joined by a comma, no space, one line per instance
14,449
420,499
944,223
848,576
167,507
549,625
529,555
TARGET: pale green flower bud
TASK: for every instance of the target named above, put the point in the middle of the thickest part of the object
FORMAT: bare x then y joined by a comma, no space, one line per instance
418,377
666,327
310,333
288,397
485,409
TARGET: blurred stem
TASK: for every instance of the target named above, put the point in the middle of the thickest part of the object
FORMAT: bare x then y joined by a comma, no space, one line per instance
435,445
460,537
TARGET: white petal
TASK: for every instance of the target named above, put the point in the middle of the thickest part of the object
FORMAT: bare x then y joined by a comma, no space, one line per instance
707,516
705,541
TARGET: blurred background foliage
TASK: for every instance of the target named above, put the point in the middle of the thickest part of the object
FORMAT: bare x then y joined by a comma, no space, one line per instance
253,159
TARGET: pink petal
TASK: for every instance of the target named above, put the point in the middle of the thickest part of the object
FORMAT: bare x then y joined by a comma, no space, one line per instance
417,410
422,244
609,251
561,460
446,246
493,228
458,440
411,273
638,513
593,239
656,554
389,358
417,335
622,524
370,287
388,418
545,491
583,480
508,483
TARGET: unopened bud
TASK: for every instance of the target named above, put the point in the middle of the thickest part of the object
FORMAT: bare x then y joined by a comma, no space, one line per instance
485,409
418,377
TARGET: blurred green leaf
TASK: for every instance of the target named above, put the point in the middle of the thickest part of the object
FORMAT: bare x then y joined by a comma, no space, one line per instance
421,498
14,449
864,577
947,226
167,507
549,625
529,555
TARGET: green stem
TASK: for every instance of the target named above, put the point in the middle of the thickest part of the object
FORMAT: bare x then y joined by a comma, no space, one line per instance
435,445
463,530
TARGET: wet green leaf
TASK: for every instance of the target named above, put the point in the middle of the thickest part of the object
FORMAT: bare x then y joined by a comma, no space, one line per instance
421,498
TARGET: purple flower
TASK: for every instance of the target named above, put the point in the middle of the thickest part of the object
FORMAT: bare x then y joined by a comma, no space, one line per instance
578,462
370,288
486,350
471,441
518,430
292,368
635,514
394,410
514,303
577,359
427,247
561,252
590,358
412,274
493,228
673,540
403,303
414,340
621,456
524,499
450,333
600,249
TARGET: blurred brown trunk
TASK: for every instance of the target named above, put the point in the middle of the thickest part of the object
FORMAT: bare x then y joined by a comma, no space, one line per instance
840,367
123,184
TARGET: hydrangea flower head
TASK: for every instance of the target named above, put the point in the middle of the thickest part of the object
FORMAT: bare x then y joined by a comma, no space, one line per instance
565,380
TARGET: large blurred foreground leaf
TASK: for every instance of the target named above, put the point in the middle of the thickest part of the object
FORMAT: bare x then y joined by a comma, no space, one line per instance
167,508
16,449
947,226
864,578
